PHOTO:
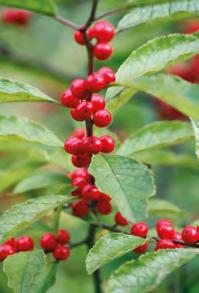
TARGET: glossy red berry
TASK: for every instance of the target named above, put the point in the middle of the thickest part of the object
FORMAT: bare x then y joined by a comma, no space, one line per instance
103,31
11,242
83,111
63,236
76,147
104,207
81,161
79,133
81,172
79,37
104,196
102,118
108,144
16,16
61,253
24,243
139,229
108,74
68,100
92,145
164,244
67,144
48,242
80,208
5,251
78,88
90,192
142,248
165,229
103,51
79,182
95,83
120,220
190,235
178,236
98,103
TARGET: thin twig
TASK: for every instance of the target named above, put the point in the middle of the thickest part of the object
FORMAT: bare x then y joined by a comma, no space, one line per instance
66,22
112,12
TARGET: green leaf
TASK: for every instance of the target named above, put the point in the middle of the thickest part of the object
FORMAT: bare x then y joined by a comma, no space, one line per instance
40,180
22,269
22,215
14,91
45,6
145,273
195,125
159,207
157,135
27,130
129,183
109,247
159,11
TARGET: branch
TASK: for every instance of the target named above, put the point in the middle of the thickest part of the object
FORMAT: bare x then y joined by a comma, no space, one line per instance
66,22
112,12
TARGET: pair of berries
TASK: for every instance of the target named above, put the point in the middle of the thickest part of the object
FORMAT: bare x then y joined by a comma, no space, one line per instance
56,244
103,32
89,193
11,246
16,16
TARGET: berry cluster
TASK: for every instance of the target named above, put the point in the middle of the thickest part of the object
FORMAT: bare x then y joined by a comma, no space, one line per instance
15,16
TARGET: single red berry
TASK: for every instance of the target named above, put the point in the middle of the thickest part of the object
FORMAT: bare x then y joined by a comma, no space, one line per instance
142,248
11,242
165,229
24,243
95,83
79,37
61,253
178,236
76,147
104,207
5,251
83,111
139,229
164,244
63,236
92,145
79,182
108,74
190,235
67,144
16,16
104,197
98,103
108,144
48,242
79,133
81,172
120,220
102,118
90,192
82,161
78,88
80,208
68,100
103,31
103,51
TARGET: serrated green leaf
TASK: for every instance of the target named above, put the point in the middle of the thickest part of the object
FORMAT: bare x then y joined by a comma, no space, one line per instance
161,207
109,247
43,7
157,135
144,274
22,269
158,11
14,91
129,183
27,130
22,215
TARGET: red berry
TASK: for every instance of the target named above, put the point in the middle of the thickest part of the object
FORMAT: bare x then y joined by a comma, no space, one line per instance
108,144
178,236
24,243
103,51
76,147
104,196
108,74
102,118
164,244
81,172
90,192
83,111
92,144
63,236
103,31
80,208
76,192
16,16
142,248
5,251
79,182
98,103
79,37
11,242
120,220
78,88
67,144
165,229
68,100
95,83
48,242
82,161
79,133
190,235
139,229
61,253
104,207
